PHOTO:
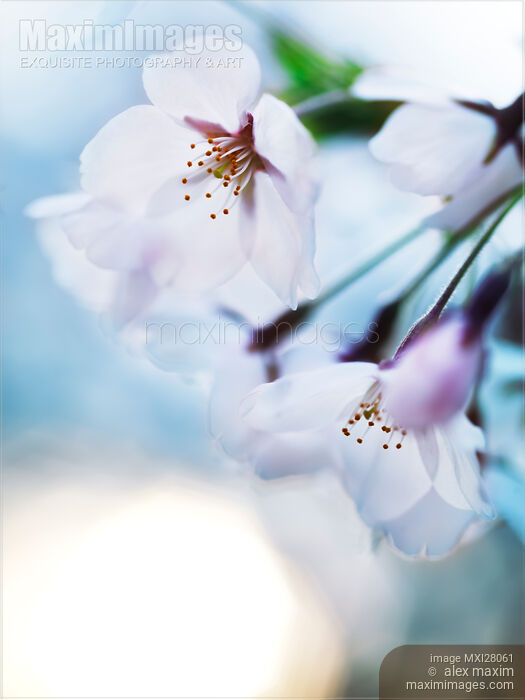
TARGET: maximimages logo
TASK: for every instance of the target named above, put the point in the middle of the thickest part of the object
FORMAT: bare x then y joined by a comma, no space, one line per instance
38,35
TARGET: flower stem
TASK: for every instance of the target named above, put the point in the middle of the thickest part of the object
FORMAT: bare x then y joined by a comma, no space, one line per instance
273,333
318,102
436,310
367,350
366,266
484,239
441,255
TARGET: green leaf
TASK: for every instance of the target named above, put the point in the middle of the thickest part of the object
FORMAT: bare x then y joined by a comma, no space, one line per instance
310,70
352,116
312,73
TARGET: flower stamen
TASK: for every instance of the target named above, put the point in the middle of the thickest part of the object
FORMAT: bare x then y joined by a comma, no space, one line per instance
229,158
370,409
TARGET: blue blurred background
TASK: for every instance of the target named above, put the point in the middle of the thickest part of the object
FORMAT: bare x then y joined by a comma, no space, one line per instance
89,428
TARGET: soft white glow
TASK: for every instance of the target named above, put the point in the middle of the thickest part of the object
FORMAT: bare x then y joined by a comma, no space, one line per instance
165,591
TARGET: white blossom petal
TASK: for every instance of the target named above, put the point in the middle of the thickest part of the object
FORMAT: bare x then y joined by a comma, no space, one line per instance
56,205
246,294
110,238
271,455
307,400
383,483
432,149
216,86
179,333
493,180
93,286
132,156
170,196
120,295
387,469
460,438
280,244
432,527
206,252
396,83
389,485
134,293
291,454
283,141
428,449
238,375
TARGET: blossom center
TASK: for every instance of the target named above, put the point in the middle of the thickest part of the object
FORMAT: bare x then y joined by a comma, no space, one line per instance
222,165
370,420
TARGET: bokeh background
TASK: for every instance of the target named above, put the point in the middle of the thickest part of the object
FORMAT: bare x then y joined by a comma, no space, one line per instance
136,562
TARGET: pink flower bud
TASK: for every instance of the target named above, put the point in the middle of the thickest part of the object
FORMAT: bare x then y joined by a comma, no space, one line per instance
434,377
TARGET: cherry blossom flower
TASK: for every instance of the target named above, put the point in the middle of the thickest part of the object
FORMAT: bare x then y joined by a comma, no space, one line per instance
119,288
216,341
195,335
234,171
271,455
203,339
408,451
467,152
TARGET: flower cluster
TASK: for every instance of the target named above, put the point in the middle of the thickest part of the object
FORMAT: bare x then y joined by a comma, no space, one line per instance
191,188
201,205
